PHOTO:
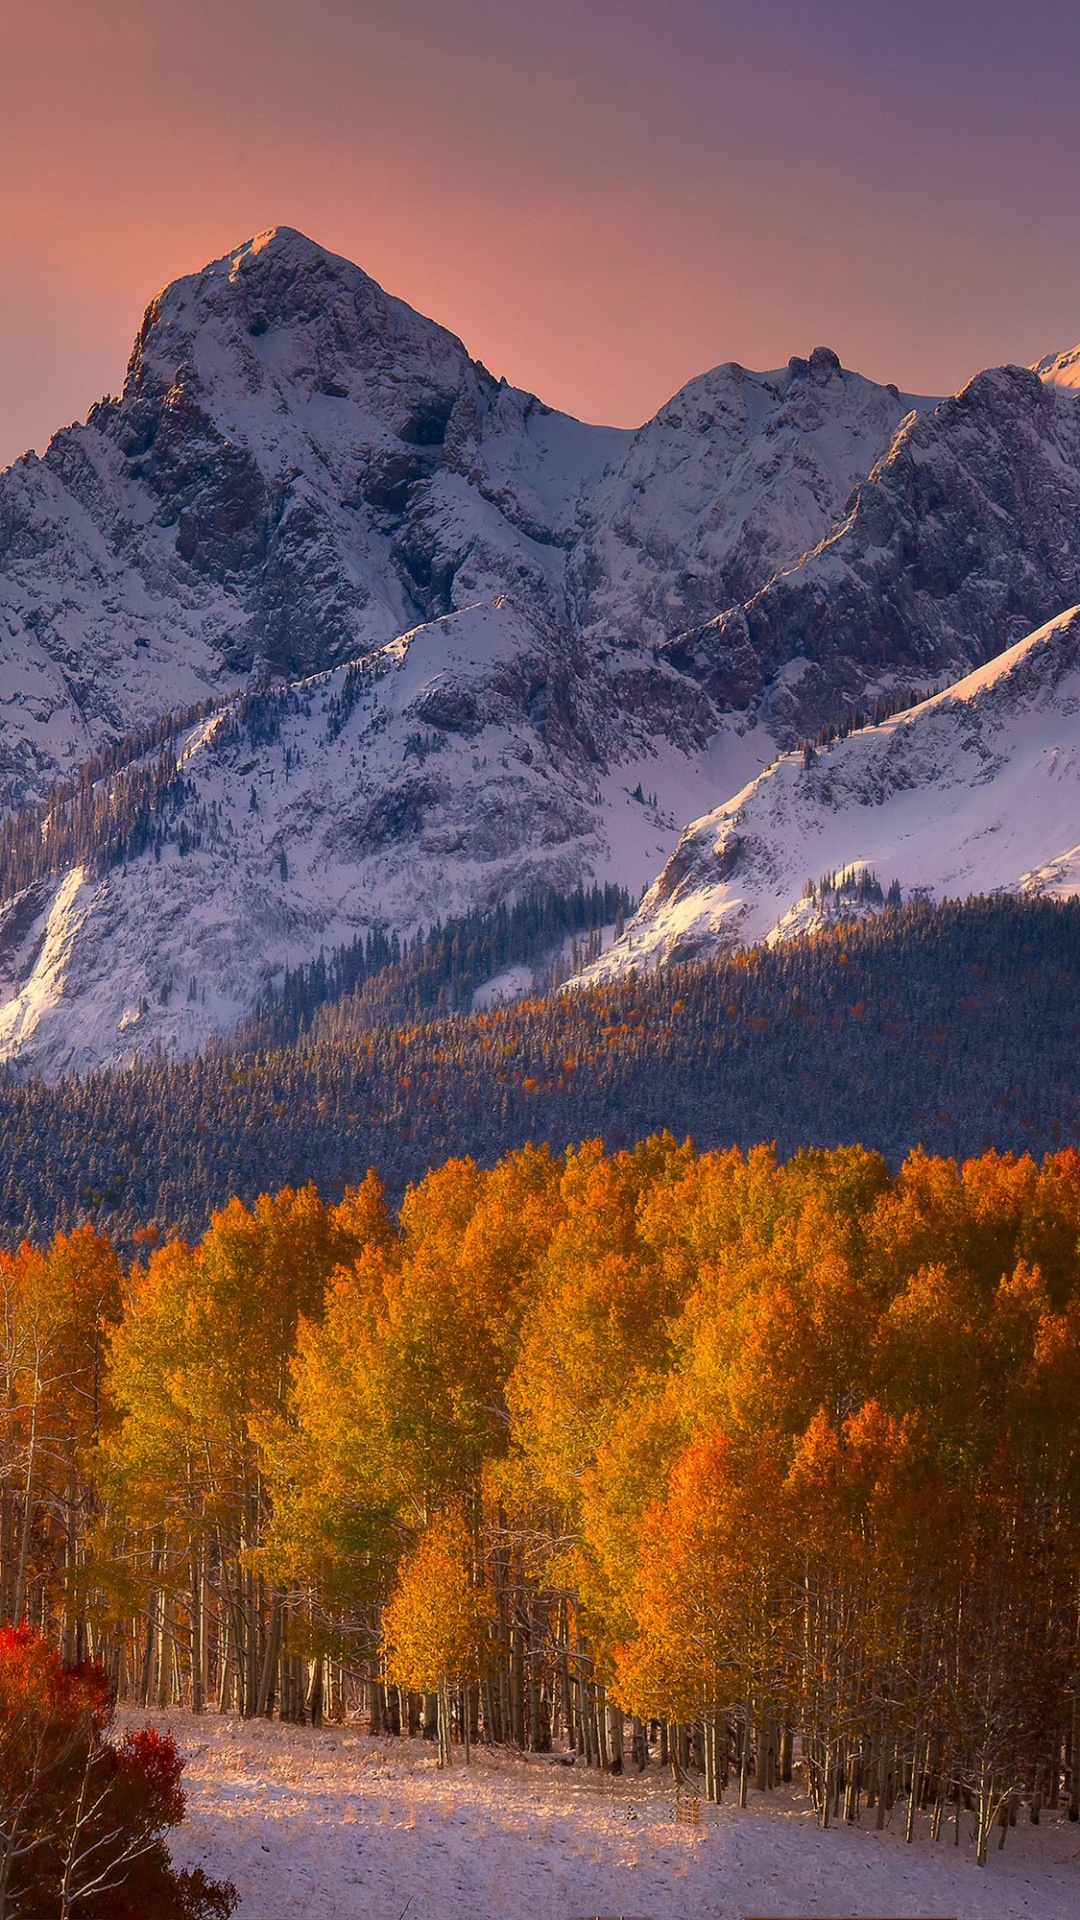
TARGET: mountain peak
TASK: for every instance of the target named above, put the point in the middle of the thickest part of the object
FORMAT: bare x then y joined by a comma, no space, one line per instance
279,281
278,250
281,239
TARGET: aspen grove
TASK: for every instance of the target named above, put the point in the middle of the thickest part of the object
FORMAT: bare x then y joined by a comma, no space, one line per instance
709,1460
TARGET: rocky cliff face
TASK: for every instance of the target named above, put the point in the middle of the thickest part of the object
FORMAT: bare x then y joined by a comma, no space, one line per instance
963,538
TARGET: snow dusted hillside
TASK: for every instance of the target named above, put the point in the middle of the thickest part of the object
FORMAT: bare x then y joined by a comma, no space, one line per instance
974,790
471,761
300,467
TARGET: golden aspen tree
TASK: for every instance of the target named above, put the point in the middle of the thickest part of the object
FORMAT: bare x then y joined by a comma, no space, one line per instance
57,1307
199,1366
712,1602
434,1620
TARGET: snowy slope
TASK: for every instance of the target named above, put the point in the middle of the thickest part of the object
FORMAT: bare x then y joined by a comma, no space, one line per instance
472,760
974,790
301,467
737,476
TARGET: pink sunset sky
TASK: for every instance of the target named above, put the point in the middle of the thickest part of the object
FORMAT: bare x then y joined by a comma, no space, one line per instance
602,200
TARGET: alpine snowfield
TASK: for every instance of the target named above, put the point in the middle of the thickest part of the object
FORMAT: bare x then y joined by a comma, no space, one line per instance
335,1824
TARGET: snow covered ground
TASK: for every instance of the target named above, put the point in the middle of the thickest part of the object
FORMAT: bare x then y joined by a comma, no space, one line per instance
345,1827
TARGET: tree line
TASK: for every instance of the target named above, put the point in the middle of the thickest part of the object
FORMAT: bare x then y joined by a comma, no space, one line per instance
387,980
122,802
957,1026
706,1459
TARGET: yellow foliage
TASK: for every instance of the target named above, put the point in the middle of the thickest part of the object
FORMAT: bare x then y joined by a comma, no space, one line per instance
434,1620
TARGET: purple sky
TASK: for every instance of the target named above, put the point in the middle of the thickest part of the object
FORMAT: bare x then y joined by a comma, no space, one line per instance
601,199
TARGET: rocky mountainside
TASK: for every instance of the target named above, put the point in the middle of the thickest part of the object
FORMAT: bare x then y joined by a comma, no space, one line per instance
469,762
974,791
961,540
300,468
739,475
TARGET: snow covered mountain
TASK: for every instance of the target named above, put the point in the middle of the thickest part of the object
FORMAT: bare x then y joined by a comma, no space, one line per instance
455,646
974,790
300,468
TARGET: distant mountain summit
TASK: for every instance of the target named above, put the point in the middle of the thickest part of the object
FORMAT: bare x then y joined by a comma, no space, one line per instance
1060,369
300,467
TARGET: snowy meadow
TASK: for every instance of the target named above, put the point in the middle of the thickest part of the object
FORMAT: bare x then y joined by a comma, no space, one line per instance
337,1824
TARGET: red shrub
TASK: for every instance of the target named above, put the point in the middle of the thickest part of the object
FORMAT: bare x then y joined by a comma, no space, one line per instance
83,1818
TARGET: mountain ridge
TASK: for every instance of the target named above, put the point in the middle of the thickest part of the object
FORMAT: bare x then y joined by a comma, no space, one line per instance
958,542
972,791
300,467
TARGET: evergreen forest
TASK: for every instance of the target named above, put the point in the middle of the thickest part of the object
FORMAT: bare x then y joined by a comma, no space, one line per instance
956,1027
